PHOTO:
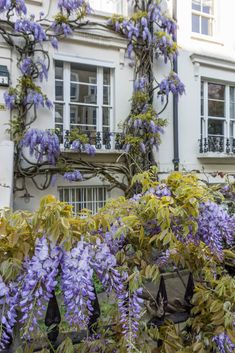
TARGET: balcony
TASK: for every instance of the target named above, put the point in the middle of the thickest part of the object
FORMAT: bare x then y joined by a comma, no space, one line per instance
218,147
104,142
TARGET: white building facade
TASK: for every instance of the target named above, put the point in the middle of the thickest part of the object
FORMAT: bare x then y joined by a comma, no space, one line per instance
206,65
91,81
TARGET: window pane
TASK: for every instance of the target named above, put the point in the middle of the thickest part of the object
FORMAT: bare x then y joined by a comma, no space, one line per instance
202,98
106,76
196,5
83,73
59,70
106,95
83,115
232,110
106,137
216,108
106,116
207,6
196,23
206,27
59,91
59,113
111,6
83,93
232,129
59,121
232,93
86,197
216,91
215,127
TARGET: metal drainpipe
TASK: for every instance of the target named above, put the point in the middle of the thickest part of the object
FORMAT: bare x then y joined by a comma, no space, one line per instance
176,159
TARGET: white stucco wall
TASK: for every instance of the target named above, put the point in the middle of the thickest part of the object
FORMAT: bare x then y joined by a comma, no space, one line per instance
218,50
219,65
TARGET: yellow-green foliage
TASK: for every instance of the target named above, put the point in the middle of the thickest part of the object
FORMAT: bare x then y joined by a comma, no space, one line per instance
214,299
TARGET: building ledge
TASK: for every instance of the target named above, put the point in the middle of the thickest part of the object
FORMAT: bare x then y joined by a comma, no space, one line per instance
216,157
209,61
207,39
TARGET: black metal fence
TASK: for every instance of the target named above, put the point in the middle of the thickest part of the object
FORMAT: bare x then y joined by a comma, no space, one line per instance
53,319
101,140
217,144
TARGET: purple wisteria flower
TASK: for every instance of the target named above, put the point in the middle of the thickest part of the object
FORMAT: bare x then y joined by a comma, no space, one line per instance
5,5
223,343
140,84
20,7
130,307
26,26
72,5
73,176
8,305
26,66
62,28
160,191
171,84
42,70
77,284
35,98
42,144
216,227
10,100
38,282
89,149
114,242
77,145
54,42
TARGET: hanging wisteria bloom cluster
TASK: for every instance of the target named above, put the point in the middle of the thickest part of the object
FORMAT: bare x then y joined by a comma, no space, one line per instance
42,144
118,248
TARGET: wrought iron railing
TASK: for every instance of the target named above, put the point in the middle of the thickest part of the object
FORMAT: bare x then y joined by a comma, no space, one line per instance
54,338
101,140
217,144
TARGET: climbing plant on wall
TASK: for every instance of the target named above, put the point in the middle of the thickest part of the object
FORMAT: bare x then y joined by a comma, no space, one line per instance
174,226
150,35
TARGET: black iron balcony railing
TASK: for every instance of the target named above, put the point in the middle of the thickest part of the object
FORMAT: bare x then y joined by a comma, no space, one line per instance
217,144
100,140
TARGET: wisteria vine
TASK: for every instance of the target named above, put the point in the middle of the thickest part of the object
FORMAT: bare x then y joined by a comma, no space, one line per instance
149,32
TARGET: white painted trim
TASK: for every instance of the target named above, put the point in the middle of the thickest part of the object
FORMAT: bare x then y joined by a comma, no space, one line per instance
215,62
77,59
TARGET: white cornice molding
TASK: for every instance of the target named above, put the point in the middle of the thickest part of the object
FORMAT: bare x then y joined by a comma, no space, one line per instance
95,38
76,58
214,62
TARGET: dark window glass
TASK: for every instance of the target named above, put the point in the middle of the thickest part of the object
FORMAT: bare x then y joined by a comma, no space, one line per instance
59,70
84,116
83,93
59,91
215,127
216,91
216,108
83,73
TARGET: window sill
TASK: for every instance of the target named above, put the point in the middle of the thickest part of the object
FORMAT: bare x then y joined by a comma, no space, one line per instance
217,157
98,151
206,39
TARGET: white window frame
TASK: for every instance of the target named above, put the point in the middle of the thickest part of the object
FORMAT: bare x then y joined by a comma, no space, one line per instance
66,102
201,14
229,122
85,202
121,7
